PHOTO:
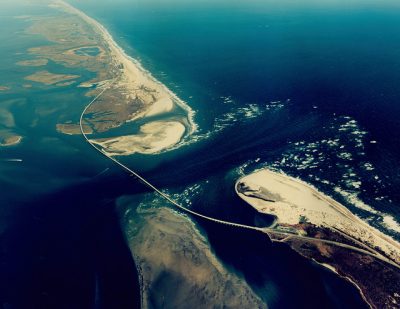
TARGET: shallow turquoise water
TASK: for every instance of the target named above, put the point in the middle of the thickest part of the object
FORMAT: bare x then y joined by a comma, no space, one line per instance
50,213
88,51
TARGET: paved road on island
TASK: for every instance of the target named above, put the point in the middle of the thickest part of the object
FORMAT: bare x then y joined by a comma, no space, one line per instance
269,231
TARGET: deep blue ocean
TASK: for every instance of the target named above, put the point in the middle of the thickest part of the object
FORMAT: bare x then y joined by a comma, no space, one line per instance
310,89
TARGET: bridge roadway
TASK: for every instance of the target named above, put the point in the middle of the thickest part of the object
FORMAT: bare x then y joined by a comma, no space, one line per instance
267,230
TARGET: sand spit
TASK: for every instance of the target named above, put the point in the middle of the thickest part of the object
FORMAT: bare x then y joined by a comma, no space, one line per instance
293,201
153,138
138,88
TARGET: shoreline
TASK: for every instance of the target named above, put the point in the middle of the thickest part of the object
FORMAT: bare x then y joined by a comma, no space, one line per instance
130,63
384,242
323,230
11,141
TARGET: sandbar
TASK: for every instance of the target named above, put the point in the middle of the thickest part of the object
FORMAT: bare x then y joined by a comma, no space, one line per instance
153,138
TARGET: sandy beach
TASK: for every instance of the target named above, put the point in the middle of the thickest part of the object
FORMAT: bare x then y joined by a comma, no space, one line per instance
292,201
138,84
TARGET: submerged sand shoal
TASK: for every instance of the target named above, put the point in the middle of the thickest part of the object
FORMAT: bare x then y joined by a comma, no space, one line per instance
11,141
33,62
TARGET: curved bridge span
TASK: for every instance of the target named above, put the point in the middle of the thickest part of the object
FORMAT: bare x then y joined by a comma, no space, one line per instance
148,184
284,236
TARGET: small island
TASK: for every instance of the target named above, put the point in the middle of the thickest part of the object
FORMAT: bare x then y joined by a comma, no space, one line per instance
48,78
12,140
33,62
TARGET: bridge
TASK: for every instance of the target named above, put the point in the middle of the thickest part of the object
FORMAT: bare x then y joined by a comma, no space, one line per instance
271,232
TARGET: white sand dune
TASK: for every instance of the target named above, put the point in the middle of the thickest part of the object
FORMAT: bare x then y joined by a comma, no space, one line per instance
163,105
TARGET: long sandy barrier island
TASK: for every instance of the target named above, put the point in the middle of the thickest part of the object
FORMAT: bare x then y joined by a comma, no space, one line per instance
133,95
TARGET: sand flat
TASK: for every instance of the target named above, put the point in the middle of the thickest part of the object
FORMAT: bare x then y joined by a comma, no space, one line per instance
153,138
47,78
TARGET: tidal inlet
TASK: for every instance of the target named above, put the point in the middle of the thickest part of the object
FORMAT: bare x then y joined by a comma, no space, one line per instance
199,154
